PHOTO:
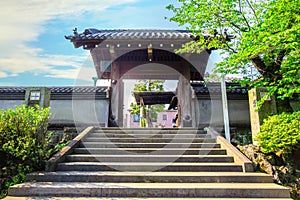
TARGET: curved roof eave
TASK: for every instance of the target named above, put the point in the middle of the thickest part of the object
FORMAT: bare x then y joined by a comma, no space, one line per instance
97,36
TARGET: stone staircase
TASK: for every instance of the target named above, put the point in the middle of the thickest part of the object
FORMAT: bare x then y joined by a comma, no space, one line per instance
147,164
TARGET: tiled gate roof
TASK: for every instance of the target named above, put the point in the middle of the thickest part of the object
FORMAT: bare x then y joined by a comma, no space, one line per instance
125,34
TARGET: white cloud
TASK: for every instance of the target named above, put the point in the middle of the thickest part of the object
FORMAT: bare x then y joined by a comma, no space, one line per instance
68,74
32,60
23,21
21,60
3,74
79,68
81,73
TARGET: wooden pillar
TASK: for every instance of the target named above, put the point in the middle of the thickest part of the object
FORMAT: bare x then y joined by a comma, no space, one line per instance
97,60
117,88
121,103
184,94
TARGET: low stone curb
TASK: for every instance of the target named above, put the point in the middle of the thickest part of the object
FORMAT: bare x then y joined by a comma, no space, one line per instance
51,164
239,158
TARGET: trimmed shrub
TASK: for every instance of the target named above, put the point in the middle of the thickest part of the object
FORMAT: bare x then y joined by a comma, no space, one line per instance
280,134
24,144
24,134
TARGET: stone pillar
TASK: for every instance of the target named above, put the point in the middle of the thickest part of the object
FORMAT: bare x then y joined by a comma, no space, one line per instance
38,95
194,109
141,112
187,121
257,116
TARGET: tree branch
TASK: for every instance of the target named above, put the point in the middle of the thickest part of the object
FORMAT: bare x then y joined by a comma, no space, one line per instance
280,58
241,12
251,7
259,64
263,69
230,48
238,31
227,20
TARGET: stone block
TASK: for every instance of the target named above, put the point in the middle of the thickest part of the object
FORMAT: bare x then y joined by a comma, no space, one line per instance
38,95
258,115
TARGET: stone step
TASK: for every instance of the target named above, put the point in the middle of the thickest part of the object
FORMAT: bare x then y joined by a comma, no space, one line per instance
150,177
148,145
144,166
152,151
148,131
151,140
132,198
148,158
138,135
139,190
148,164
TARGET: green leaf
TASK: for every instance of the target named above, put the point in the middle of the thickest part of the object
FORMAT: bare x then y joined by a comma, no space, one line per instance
266,36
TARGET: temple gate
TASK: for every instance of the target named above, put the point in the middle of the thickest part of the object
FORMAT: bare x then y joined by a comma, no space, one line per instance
118,53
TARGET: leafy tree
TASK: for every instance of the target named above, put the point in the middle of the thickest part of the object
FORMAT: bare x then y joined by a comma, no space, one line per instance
264,34
149,111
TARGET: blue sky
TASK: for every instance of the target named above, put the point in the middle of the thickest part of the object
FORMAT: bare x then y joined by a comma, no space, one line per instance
34,50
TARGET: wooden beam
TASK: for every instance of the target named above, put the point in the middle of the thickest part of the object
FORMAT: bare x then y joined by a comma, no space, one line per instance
150,53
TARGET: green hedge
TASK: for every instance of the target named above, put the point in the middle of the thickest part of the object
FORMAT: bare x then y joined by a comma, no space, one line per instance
24,134
24,144
280,134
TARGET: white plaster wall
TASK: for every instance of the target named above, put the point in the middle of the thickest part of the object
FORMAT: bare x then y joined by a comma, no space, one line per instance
211,112
96,111
5,104
239,112
79,111
68,111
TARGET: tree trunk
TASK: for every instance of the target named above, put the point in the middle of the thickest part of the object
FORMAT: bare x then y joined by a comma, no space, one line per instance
259,65
282,105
